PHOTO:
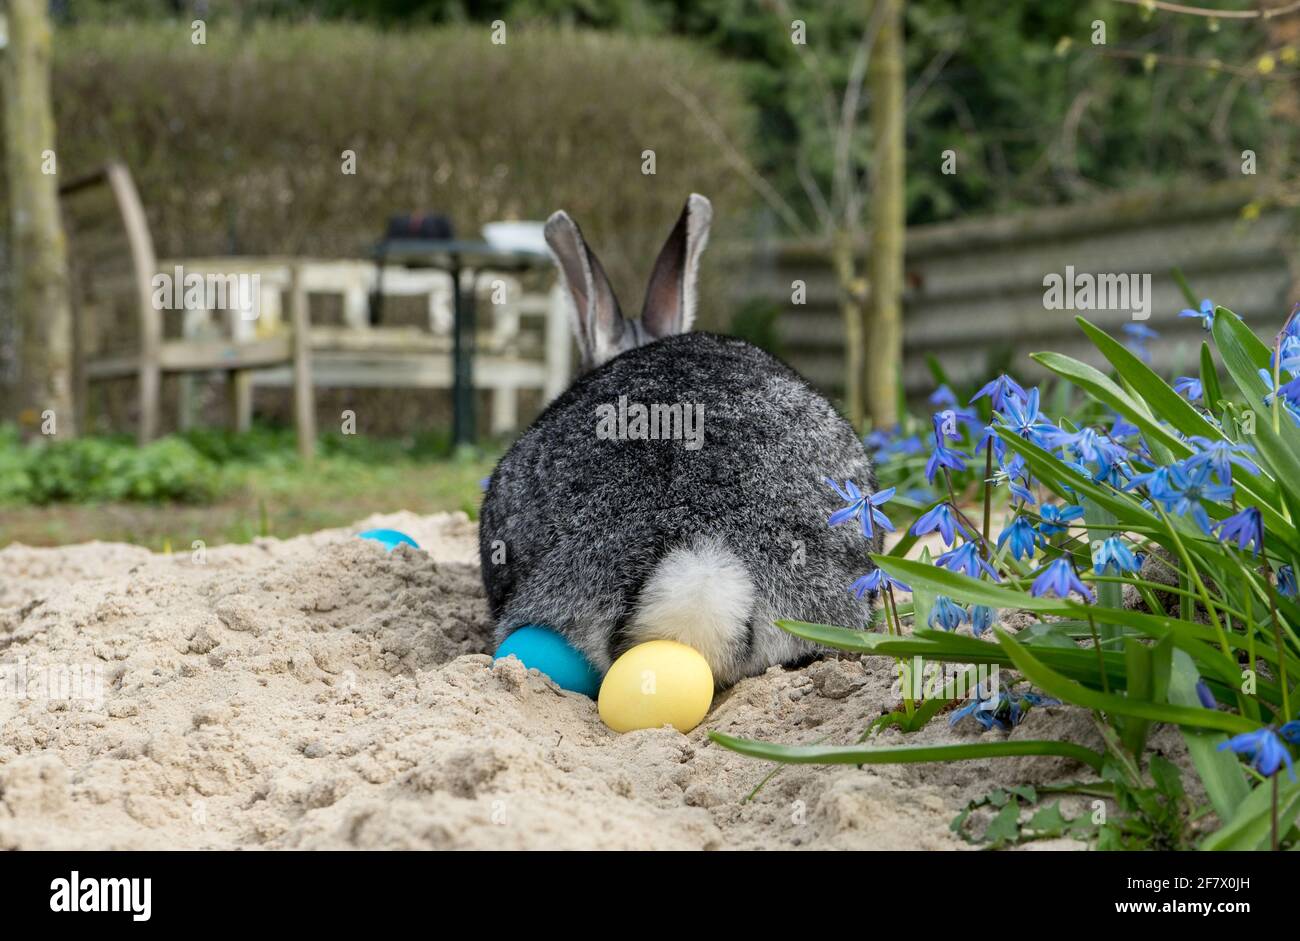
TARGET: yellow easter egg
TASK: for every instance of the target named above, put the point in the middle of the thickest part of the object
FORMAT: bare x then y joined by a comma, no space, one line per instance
655,684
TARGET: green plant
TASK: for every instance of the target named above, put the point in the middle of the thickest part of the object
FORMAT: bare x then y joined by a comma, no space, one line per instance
1199,489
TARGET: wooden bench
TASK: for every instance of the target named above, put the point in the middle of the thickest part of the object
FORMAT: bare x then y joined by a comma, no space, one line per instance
524,347
123,332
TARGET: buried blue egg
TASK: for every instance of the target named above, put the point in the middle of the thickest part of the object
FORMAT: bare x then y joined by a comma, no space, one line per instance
390,539
540,648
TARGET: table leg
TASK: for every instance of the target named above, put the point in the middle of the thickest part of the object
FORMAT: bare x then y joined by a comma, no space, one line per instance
463,330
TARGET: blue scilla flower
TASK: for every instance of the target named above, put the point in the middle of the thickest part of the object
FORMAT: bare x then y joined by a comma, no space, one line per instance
1087,445
966,558
983,704
1291,732
1289,391
943,396
1181,487
1058,578
1192,485
942,518
999,392
888,443
1122,428
982,617
1022,536
1245,528
1004,710
1290,395
1021,493
947,615
1205,696
1264,748
1206,313
1189,388
1023,417
1015,474
990,437
1286,583
1221,455
1158,482
1056,519
1139,331
1038,699
1113,553
943,457
945,426
880,438
875,581
1289,350
862,507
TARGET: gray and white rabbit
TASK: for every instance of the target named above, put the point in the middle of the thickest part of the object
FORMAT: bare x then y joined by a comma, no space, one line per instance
613,540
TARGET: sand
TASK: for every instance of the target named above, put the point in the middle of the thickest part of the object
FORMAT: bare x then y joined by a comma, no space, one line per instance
318,693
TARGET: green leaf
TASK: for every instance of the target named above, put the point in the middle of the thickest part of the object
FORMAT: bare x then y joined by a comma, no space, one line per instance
1005,827
1251,828
1104,390
1167,777
1141,685
1244,354
1159,397
1220,771
904,754
1066,689
966,589
1181,280
1213,392
1049,821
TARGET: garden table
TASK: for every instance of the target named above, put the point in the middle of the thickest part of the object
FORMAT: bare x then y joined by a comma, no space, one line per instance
455,256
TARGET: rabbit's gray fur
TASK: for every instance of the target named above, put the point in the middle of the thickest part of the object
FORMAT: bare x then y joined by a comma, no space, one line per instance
614,542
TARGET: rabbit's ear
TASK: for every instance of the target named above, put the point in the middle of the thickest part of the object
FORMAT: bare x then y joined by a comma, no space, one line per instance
597,320
670,300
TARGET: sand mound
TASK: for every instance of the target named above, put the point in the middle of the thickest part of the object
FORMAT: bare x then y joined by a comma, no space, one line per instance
317,692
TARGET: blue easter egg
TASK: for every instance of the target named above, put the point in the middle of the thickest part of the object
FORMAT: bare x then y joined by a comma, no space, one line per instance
539,648
390,539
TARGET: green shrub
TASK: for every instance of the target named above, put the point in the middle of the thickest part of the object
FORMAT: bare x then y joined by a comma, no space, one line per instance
106,469
237,144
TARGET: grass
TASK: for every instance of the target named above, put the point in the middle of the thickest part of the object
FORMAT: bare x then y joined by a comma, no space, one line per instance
267,494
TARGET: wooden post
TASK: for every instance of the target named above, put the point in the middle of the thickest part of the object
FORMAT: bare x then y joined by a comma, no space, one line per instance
304,399
884,336
41,304
239,399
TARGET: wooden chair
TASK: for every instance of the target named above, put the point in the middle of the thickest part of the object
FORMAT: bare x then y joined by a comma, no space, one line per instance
120,330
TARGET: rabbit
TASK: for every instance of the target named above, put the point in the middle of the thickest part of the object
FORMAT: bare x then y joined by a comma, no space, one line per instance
705,538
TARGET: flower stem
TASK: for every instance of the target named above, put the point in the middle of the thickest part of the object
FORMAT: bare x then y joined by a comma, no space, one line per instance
1275,833
1101,661
988,495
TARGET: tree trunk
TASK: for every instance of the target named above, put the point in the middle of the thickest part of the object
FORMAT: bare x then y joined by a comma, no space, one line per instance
884,333
38,251
853,312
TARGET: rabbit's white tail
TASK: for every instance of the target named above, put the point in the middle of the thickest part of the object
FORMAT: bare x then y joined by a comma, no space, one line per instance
700,595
